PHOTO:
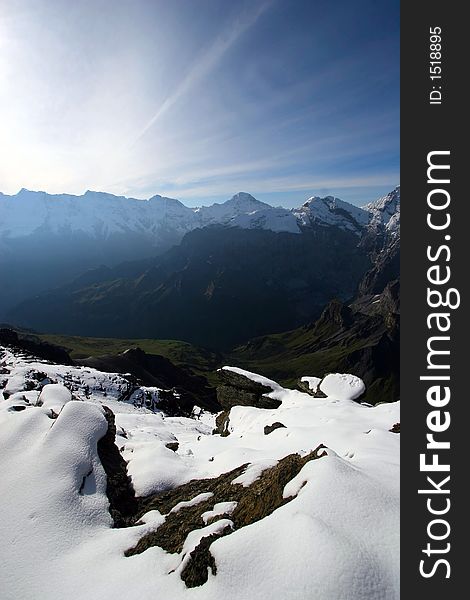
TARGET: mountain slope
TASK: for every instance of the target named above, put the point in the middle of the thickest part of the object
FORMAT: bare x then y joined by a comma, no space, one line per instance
223,285
364,342
220,286
48,240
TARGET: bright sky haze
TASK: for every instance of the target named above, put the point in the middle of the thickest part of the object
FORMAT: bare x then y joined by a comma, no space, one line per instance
199,99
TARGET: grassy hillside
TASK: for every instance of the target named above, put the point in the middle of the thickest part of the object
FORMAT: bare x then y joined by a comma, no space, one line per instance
340,341
199,360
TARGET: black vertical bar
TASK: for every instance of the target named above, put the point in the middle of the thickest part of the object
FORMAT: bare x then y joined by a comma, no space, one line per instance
425,128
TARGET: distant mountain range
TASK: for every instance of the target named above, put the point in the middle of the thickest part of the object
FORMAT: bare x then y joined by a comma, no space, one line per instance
215,276
98,215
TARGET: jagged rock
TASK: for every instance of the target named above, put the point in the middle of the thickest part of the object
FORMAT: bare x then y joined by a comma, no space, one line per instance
254,502
270,428
305,387
334,317
386,266
221,423
239,390
395,428
121,496
196,570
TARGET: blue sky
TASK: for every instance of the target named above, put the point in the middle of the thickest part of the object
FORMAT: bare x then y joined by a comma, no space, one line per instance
199,99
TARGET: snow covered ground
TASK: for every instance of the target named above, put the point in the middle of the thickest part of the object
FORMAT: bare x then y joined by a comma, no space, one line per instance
337,539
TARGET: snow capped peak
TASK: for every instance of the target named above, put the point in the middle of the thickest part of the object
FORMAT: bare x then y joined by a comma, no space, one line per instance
332,211
326,200
245,201
389,203
240,204
386,210
98,214
240,196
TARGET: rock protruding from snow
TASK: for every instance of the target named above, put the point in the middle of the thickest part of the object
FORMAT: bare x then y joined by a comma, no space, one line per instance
246,495
242,388
239,541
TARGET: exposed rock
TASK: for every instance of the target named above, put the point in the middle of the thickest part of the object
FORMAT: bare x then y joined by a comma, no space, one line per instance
305,387
270,428
173,446
196,570
395,428
221,423
254,502
121,496
334,317
386,267
239,390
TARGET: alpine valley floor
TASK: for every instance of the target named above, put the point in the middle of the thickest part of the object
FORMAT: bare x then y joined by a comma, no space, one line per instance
295,501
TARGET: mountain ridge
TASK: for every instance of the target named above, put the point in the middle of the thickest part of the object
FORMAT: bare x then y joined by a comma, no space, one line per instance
102,214
47,241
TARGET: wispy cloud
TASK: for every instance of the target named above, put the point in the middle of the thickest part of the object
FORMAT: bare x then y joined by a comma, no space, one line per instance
307,185
197,100
203,66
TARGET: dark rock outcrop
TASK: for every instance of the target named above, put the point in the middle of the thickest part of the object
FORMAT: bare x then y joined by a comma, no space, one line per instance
221,423
173,446
270,428
254,502
316,393
195,572
238,390
121,496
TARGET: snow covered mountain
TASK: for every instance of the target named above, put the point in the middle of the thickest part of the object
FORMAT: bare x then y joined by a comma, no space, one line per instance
109,496
47,241
332,211
101,215
386,211
98,214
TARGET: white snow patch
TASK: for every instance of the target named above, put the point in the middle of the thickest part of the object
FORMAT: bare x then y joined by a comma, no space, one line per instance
54,396
58,534
193,502
342,386
221,508
254,472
